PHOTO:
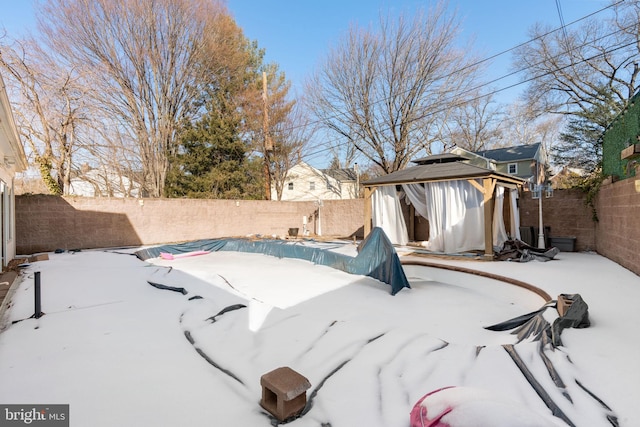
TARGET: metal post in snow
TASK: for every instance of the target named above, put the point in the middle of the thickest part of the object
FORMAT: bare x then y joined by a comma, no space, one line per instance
541,243
38,311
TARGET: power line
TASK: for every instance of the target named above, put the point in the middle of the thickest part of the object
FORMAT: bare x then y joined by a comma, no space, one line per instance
496,55
572,64
562,28
562,25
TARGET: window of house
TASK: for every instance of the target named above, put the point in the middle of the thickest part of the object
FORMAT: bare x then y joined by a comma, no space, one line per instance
312,185
513,168
290,186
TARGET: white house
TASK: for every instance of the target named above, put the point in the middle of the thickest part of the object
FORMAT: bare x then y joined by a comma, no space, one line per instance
103,183
304,183
12,160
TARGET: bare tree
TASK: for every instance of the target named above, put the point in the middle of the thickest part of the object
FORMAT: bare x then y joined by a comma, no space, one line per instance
521,124
49,109
384,91
145,63
576,70
109,162
290,136
287,130
277,126
474,125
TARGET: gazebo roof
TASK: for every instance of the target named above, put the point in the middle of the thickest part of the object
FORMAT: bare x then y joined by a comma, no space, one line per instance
447,171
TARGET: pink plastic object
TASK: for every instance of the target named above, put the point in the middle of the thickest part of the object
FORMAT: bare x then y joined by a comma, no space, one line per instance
165,255
418,416
474,407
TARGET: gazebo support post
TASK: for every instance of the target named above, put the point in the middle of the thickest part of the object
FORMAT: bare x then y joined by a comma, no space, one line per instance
412,223
489,186
368,191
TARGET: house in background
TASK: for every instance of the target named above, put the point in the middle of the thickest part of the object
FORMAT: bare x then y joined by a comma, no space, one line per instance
305,183
528,162
12,160
567,177
103,183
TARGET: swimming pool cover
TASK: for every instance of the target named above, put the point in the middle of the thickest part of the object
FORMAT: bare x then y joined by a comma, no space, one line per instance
376,257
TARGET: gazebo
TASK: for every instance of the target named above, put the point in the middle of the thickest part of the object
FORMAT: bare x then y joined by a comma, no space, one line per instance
462,202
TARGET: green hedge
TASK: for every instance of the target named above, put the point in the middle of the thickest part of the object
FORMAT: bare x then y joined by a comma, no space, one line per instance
622,133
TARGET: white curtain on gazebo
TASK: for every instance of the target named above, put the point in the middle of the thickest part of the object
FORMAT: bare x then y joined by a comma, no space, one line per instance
499,230
455,211
387,214
417,197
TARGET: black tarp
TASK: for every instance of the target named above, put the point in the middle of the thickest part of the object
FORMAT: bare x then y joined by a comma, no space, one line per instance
534,325
376,257
517,250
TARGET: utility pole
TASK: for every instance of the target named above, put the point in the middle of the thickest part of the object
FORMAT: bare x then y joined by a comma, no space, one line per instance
268,144
355,168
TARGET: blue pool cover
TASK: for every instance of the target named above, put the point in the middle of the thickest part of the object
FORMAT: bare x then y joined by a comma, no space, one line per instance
376,257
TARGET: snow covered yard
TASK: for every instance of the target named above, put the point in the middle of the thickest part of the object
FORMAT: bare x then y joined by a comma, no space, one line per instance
122,352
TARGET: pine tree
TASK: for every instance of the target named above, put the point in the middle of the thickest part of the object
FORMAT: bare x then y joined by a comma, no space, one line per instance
214,156
581,143
213,162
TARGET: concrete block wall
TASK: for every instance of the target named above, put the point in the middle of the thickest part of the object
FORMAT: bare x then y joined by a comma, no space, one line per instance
566,213
618,227
45,223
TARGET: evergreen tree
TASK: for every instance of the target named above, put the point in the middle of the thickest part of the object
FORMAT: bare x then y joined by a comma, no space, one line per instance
213,162
581,143
214,155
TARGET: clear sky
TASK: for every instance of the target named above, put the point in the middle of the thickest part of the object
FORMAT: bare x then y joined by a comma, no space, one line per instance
297,34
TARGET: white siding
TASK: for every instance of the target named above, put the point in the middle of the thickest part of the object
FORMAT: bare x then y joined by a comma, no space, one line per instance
310,183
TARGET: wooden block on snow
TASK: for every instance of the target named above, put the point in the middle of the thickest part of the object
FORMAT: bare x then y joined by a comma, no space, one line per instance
284,392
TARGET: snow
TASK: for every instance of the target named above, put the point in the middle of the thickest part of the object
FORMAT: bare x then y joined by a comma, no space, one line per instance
122,352
469,407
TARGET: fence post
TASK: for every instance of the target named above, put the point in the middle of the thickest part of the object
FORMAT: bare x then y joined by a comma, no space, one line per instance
38,312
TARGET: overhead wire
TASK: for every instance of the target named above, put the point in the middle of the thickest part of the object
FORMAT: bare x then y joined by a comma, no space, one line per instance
561,16
564,29
496,91
496,55
322,151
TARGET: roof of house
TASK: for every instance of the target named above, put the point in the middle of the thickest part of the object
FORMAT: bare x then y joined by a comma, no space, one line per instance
510,154
341,175
447,171
439,158
9,137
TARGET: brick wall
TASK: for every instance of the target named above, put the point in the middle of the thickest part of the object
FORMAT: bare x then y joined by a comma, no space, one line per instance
566,213
618,228
46,223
